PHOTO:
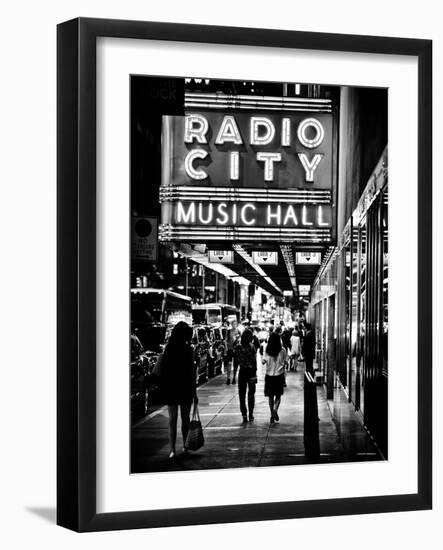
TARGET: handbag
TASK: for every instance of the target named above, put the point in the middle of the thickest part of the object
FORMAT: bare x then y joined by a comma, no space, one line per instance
195,438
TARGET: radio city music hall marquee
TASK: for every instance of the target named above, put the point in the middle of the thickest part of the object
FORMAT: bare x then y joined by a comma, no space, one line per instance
248,170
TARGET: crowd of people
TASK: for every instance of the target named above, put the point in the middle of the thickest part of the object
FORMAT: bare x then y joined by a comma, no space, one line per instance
279,350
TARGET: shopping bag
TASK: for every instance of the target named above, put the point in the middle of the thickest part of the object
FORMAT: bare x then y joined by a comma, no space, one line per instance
195,438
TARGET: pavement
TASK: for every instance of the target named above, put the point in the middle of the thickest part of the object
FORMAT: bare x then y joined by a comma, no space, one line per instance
231,443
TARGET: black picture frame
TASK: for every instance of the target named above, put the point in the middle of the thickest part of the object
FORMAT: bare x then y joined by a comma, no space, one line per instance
76,295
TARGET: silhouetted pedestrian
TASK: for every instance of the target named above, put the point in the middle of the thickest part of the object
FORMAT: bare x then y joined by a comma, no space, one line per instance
178,381
246,355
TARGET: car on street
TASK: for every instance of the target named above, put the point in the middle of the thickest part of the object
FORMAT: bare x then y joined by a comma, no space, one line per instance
202,353
218,349
139,379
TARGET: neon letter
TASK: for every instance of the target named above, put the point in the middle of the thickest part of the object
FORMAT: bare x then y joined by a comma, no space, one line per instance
199,173
286,132
199,133
309,165
320,217
319,133
234,172
276,215
221,209
200,213
269,134
228,132
234,214
304,220
243,217
269,159
290,214
185,217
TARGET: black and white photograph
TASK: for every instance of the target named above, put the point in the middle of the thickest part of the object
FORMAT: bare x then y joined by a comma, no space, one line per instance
259,274
220,280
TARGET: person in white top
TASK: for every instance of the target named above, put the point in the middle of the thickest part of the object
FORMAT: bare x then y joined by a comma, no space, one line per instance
295,350
274,359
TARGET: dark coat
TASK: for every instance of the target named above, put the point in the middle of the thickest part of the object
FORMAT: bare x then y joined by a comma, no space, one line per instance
247,360
286,338
177,378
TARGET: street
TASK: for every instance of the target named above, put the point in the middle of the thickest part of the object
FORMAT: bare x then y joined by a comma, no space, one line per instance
231,443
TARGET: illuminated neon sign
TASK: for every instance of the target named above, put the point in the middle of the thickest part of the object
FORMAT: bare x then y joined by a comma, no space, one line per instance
250,214
261,132
255,170
279,150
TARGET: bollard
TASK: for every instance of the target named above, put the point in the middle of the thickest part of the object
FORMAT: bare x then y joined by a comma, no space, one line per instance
311,433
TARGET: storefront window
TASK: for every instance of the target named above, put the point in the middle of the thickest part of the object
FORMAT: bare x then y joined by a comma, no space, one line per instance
345,322
384,346
362,320
355,296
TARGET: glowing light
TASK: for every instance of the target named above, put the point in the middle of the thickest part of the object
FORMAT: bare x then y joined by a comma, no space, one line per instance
286,132
234,214
250,194
169,232
195,173
234,165
319,130
269,159
290,215
304,216
208,214
196,126
242,252
256,103
221,209
271,215
320,221
183,216
267,137
243,214
228,132
310,166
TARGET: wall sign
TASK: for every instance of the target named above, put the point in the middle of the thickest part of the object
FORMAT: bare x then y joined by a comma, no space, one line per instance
221,256
144,238
265,257
304,290
308,258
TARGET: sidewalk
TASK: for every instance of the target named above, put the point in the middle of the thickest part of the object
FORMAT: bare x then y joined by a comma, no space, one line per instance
230,443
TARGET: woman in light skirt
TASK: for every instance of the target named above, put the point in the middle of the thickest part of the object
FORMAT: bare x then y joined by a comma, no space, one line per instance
274,359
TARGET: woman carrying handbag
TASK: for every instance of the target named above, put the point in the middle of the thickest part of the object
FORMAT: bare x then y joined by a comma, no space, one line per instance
177,377
195,438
